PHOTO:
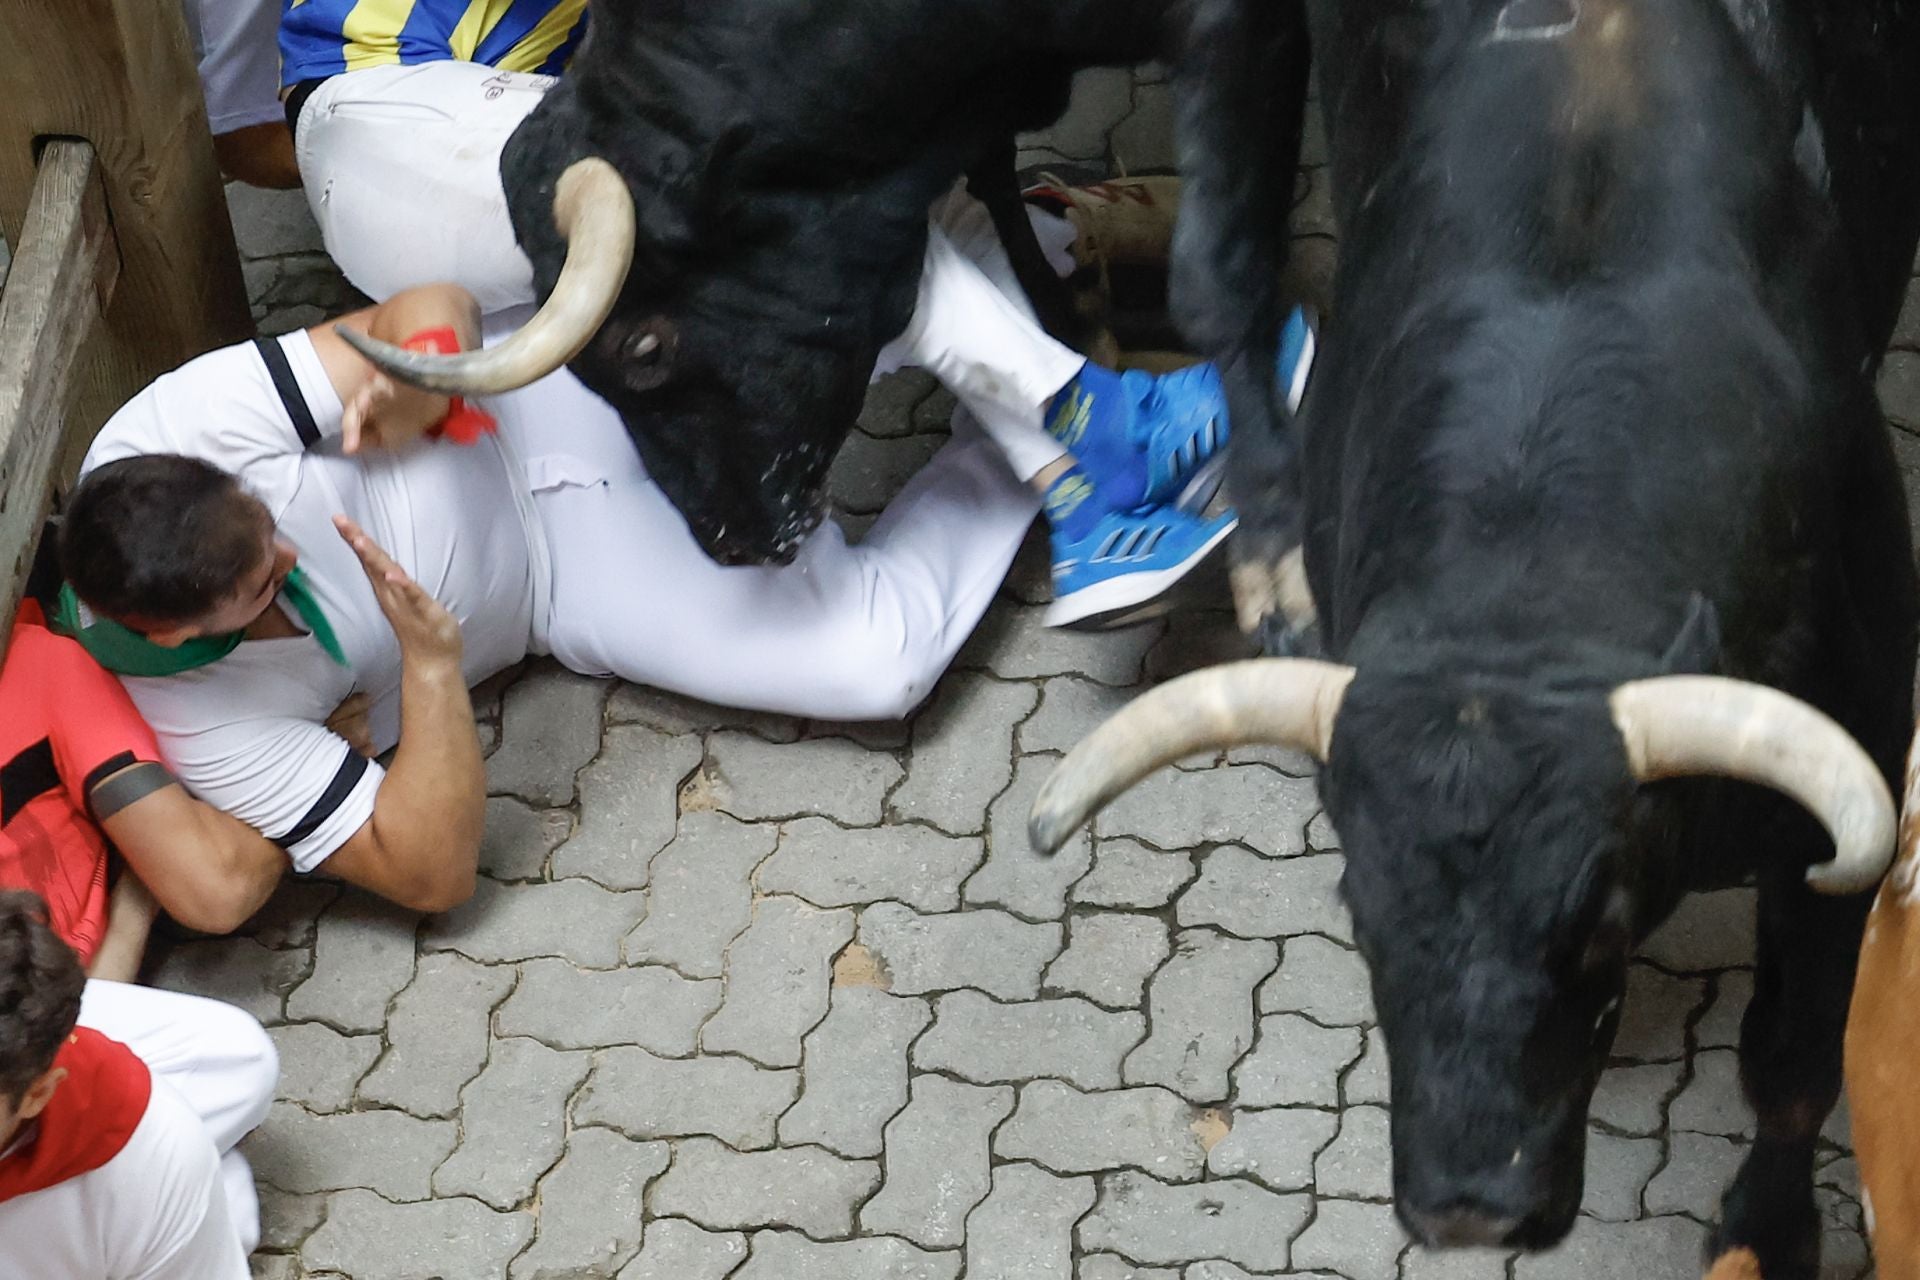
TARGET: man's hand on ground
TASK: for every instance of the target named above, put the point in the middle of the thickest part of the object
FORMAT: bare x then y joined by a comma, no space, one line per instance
428,634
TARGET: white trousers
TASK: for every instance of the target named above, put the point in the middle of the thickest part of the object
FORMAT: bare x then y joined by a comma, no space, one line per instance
216,1057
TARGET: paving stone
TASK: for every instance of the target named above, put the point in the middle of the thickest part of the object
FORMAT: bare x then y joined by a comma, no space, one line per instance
1321,837
832,866
549,730
1109,1266
1275,1148
1370,1079
702,895
1024,1229
805,1188
1198,638
1014,876
1712,1101
287,1219
778,973
867,472
1454,1264
891,400
319,1066
504,923
1653,1018
1632,1100
1255,897
1708,931
369,1238
1617,1172
629,805
1109,958
273,1266
1143,142
1651,1249
1295,1063
1719,1027
1015,644
518,838
292,914
237,971
1128,874
649,1005
855,1069
1359,1241
513,1122
963,753
590,1207
678,1250
1321,979
1102,97
1067,1131
988,1043
437,1035
362,957
268,224
1359,1163
832,777
1202,1007
991,950
1899,386
1245,804
1070,709
785,1255
647,1097
385,1151
671,713
1160,1225
937,1158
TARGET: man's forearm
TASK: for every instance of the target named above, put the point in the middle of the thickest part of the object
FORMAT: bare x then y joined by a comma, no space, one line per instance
432,804
130,913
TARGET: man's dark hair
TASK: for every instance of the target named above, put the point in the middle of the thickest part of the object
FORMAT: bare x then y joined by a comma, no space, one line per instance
159,538
40,984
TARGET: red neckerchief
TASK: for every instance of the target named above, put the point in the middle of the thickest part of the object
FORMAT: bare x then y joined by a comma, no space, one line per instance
93,1113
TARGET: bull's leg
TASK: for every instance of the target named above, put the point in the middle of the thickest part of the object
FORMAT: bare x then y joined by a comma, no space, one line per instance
1790,1051
994,184
1241,80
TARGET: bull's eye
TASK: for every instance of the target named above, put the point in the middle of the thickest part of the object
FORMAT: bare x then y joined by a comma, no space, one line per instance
646,352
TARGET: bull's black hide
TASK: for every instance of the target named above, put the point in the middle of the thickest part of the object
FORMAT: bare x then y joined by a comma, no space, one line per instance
1596,403
782,155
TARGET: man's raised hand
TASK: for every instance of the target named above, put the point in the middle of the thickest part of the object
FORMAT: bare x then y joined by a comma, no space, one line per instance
427,633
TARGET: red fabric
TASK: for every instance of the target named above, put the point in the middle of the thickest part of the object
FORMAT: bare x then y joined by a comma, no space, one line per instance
89,1119
61,718
464,423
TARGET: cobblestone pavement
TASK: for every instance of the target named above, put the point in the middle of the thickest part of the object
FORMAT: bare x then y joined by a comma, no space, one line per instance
741,996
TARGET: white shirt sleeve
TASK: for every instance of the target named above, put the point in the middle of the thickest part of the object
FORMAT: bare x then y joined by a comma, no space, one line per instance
227,408
167,1214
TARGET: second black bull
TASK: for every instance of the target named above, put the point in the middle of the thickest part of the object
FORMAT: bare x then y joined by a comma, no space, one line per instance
1609,550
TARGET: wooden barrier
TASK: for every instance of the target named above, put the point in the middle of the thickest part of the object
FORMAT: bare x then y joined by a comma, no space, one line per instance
123,257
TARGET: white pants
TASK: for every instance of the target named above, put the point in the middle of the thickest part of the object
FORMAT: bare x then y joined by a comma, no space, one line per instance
215,1056
845,632
402,167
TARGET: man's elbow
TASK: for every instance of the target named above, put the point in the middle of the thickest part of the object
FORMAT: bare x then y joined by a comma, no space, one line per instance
433,894
216,909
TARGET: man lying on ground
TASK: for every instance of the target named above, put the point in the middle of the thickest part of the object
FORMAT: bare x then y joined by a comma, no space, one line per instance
107,1172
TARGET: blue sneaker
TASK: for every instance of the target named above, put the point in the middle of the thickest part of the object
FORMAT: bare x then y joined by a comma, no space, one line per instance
1120,569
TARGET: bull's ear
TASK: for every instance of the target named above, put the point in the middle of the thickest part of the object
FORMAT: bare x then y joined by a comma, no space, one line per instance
1695,651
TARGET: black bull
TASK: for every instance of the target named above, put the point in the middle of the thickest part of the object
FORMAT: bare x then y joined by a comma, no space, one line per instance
1590,477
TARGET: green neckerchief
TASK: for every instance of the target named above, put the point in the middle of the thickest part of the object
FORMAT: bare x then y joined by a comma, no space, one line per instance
129,653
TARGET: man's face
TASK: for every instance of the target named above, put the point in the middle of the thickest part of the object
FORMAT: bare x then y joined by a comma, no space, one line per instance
251,596
17,1112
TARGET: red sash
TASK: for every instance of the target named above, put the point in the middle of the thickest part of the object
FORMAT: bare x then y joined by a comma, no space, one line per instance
93,1113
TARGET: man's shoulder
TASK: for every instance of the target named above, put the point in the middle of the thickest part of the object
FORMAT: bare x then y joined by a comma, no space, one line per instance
146,423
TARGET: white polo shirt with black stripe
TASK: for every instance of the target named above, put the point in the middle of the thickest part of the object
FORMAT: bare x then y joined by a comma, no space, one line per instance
246,734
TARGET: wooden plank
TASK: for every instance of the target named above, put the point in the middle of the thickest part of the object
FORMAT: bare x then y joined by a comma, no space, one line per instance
63,276
120,74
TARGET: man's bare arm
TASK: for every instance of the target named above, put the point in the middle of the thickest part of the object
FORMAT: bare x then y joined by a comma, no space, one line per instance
208,870
130,913
378,411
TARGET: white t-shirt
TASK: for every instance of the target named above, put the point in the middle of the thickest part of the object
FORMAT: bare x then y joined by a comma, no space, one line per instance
156,1211
246,733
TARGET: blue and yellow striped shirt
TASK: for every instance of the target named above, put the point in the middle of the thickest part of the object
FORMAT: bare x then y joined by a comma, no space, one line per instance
320,38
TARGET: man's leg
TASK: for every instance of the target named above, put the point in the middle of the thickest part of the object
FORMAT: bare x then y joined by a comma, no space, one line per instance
402,168
216,1057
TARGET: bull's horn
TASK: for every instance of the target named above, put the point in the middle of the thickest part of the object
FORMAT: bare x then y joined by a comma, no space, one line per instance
1691,726
594,212
1282,702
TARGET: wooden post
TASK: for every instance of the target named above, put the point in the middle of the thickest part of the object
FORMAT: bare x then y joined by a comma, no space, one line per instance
119,76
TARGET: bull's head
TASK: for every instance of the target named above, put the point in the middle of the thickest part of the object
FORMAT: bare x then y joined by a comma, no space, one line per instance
733,333
1494,886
